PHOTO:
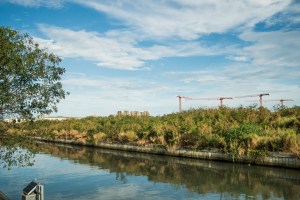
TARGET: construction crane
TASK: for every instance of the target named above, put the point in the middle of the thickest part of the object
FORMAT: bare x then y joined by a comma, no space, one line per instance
217,98
255,95
280,100
180,102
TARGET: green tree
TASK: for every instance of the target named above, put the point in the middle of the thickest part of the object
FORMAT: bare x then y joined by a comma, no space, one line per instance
29,76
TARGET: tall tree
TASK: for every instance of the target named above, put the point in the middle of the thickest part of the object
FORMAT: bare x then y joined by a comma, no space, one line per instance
29,76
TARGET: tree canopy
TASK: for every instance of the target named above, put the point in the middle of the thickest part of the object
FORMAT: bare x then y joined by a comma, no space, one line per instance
29,76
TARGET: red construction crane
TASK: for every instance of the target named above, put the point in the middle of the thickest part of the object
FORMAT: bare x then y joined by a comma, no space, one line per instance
280,100
182,97
255,95
217,98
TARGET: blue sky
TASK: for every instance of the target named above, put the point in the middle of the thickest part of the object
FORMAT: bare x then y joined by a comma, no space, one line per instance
138,55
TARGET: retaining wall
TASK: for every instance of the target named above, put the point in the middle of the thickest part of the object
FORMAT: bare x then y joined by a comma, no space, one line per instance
278,159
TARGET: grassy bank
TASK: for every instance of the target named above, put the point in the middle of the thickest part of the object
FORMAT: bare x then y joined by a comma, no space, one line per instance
238,131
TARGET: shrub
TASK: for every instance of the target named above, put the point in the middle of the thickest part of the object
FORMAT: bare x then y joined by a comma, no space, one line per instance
99,137
239,139
189,140
128,136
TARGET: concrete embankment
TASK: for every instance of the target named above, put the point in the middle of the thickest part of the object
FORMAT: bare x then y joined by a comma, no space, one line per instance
278,159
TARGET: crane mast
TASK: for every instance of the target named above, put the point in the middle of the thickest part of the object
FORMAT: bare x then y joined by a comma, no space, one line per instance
188,98
180,101
255,95
217,98
280,100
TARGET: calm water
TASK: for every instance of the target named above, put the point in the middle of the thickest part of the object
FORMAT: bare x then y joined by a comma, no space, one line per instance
87,173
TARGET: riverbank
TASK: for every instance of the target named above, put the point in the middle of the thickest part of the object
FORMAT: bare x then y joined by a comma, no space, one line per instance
252,135
276,159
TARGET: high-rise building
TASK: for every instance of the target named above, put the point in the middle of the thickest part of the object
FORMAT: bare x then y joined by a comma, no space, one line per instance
132,113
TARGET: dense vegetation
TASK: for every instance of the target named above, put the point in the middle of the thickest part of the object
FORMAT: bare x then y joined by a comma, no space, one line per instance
248,131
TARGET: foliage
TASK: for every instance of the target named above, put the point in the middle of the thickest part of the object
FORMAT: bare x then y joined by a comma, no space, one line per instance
239,131
29,76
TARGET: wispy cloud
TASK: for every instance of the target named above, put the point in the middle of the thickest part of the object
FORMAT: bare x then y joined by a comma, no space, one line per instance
39,3
273,48
238,58
105,51
151,21
187,19
130,86
110,50
237,74
287,18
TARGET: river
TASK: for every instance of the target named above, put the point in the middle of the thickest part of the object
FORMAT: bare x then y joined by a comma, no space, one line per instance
75,172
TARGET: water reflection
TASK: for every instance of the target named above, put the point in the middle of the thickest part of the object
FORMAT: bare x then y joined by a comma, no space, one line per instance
13,152
198,176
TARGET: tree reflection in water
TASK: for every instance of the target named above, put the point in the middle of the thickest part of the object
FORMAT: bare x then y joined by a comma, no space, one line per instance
202,177
13,152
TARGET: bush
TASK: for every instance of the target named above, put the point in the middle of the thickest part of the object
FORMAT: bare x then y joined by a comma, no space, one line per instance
99,137
241,139
128,136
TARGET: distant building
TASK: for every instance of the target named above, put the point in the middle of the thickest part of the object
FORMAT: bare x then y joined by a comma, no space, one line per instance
10,120
132,113
54,118
145,113
45,117
135,113
57,118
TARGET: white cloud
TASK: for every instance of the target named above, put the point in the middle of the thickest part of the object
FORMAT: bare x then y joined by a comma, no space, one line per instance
187,19
238,58
273,48
106,52
237,74
130,86
111,50
38,3
184,20
287,18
